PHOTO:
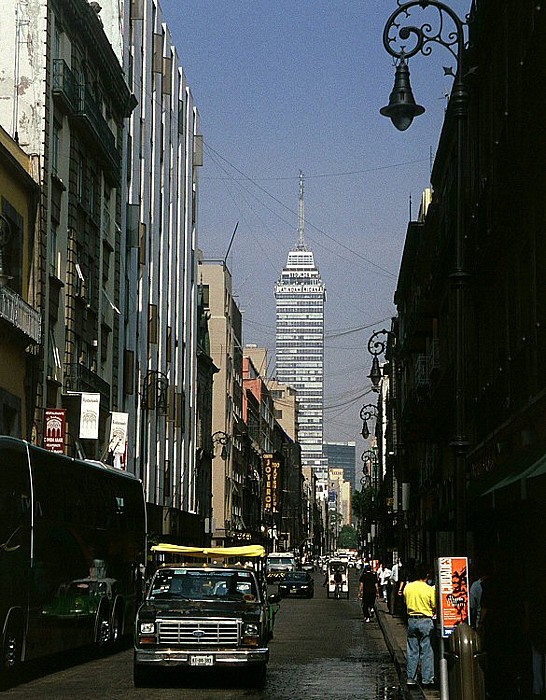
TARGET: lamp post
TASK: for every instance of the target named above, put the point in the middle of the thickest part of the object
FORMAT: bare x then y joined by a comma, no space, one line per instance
401,110
366,412
153,397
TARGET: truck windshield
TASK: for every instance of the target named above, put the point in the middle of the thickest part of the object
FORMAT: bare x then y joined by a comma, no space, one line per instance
198,585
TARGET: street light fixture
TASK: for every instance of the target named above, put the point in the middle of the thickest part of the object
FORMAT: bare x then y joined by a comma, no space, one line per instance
154,391
423,39
377,347
220,438
366,412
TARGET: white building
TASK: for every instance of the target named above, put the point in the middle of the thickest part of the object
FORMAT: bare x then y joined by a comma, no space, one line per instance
300,297
161,270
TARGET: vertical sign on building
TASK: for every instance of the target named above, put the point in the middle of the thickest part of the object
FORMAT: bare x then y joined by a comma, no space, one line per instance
54,429
271,473
452,592
89,417
117,444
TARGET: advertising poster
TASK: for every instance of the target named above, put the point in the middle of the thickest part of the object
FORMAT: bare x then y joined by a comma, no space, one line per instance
452,593
54,429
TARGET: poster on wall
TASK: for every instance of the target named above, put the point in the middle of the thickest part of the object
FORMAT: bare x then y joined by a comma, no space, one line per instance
54,429
452,589
89,417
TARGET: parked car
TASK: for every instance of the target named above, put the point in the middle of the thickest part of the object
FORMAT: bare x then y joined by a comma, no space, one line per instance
297,584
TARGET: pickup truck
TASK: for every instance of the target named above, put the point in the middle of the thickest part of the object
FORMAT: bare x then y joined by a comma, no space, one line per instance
203,616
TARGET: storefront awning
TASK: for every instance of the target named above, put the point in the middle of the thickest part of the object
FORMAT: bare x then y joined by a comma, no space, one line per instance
537,468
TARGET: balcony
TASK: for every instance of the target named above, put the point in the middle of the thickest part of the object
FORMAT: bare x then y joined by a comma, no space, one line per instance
96,127
20,315
80,104
78,377
65,87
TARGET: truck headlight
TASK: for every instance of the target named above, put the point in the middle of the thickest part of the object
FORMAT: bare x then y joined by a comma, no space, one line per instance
251,634
147,628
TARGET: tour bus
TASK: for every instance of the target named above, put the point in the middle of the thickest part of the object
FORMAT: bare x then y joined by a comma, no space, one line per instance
72,549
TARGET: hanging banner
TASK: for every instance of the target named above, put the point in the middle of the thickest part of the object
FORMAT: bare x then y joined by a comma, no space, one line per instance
54,429
118,432
452,593
89,417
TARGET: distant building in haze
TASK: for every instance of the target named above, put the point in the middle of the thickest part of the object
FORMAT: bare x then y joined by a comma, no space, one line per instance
342,455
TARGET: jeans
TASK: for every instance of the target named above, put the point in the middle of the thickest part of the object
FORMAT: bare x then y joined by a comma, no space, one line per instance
419,648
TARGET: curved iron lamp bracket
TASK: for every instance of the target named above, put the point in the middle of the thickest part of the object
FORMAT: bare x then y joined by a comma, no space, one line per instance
423,38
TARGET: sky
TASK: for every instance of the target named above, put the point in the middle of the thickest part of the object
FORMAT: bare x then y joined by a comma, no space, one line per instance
289,85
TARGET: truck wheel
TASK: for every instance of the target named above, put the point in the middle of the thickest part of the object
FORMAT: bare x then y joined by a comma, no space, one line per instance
258,675
102,631
141,676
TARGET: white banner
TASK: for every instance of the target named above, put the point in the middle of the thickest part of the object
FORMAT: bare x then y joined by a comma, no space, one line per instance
118,433
89,417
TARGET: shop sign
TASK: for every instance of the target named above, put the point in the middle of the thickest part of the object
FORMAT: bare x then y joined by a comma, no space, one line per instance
271,476
54,429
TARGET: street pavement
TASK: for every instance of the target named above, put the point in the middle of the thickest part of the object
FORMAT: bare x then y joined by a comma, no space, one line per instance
394,631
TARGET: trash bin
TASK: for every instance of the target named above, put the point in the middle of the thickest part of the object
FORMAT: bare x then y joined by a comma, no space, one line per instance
465,660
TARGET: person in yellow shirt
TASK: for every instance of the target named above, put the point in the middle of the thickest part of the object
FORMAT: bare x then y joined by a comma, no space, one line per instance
421,606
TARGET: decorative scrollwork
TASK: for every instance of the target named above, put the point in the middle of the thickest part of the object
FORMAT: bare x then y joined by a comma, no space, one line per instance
376,346
423,38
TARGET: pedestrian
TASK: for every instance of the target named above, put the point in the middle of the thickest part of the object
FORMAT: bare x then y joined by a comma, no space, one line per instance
475,597
384,576
367,591
396,588
421,607
502,628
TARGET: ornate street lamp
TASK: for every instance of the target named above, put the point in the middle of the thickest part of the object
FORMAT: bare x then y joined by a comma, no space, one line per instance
220,438
398,30
377,347
366,412
154,391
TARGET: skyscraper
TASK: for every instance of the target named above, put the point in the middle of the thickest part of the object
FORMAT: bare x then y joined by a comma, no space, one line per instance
300,295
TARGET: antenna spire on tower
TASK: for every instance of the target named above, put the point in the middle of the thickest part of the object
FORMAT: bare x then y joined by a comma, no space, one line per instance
301,218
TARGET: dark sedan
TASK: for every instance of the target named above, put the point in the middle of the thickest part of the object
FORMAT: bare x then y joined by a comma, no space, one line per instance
297,584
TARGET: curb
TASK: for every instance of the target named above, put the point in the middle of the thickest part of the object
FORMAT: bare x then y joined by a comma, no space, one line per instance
399,658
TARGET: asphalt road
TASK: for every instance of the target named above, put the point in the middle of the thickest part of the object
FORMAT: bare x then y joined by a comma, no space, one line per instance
321,649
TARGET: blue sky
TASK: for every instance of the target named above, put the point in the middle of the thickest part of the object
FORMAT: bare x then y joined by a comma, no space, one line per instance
290,85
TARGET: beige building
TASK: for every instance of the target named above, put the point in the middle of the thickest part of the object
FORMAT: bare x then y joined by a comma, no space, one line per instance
228,471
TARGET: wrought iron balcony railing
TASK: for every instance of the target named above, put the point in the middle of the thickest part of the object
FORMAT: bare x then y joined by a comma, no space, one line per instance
21,315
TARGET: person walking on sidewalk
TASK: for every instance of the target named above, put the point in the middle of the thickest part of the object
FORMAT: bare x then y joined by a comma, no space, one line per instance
367,591
421,606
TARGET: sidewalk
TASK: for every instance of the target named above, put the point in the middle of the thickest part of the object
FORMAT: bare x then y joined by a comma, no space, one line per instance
394,631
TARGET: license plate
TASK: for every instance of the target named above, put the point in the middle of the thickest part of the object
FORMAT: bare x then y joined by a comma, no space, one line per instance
202,660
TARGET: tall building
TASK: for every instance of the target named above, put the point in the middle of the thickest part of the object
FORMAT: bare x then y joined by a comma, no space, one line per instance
300,295
342,455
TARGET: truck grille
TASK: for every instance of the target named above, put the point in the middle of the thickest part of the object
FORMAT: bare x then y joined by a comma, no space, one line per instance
199,632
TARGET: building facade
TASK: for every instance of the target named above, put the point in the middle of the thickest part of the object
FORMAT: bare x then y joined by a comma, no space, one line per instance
228,429
65,99
300,297
20,322
159,282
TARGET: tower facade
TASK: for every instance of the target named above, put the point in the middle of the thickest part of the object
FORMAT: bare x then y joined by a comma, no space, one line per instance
300,296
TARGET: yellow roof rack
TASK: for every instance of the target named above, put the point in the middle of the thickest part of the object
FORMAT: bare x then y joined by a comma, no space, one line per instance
254,550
